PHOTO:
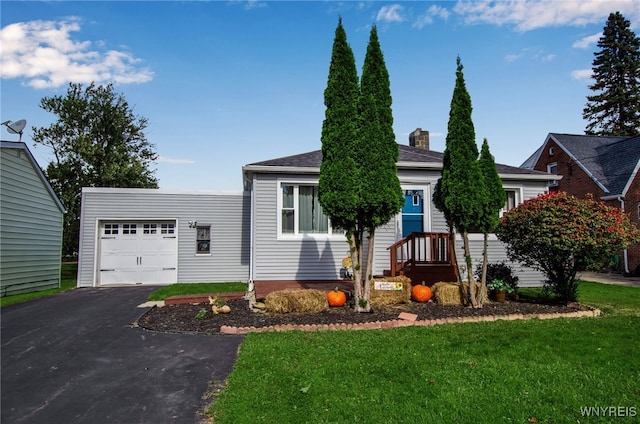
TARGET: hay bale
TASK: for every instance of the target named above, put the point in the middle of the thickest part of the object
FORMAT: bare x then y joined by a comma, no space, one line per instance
391,297
295,300
449,293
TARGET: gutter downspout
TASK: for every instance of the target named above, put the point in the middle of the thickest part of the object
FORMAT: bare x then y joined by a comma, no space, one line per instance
252,242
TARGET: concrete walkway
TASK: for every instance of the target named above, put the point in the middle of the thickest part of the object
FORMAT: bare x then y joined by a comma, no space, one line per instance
609,278
76,357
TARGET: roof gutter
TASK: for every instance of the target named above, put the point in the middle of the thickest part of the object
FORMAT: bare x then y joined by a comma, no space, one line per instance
248,170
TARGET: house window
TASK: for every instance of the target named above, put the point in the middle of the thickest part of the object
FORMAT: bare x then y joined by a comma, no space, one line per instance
552,168
551,151
513,199
203,239
110,229
301,212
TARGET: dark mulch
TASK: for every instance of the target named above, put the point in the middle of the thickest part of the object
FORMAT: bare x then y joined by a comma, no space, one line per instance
184,317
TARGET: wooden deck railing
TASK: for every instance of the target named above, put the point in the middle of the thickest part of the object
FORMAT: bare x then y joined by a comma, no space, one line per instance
420,249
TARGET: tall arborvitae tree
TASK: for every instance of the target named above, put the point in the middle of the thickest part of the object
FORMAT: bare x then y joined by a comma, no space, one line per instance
494,202
339,173
377,152
461,191
359,187
615,108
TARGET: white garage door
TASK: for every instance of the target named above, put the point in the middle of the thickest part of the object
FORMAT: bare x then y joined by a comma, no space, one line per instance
138,252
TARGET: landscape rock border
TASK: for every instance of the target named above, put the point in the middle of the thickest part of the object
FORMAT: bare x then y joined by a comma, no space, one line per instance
408,320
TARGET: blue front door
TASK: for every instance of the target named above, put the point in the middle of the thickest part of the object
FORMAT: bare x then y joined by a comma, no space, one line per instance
413,212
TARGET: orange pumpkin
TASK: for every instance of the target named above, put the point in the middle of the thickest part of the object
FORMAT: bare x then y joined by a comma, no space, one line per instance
336,298
421,293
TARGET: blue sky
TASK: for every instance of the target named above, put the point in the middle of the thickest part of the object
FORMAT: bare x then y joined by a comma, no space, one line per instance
228,83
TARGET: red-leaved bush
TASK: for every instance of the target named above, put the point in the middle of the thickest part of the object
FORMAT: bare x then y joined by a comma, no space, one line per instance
560,234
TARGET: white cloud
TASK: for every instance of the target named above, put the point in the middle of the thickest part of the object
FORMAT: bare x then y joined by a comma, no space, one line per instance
527,15
582,74
427,17
586,42
255,4
535,54
45,55
392,13
166,159
512,57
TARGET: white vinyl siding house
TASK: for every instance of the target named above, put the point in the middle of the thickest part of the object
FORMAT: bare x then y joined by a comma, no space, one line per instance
31,221
274,231
295,254
162,237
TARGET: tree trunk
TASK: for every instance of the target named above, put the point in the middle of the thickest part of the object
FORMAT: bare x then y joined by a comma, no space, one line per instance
452,242
483,276
362,301
467,257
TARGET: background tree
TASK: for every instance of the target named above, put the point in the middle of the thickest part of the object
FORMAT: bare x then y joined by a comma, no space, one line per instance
97,141
460,193
359,187
493,203
560,235
615,109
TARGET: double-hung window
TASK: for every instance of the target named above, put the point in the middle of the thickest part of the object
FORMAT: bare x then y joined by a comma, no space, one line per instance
203,239
513,199
300,210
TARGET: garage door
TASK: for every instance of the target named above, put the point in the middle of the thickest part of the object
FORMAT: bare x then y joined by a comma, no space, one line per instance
138,252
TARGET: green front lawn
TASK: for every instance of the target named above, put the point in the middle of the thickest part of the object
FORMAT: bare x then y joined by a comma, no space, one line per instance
492,372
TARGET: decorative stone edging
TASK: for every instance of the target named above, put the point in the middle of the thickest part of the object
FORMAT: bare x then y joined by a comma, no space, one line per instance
408,320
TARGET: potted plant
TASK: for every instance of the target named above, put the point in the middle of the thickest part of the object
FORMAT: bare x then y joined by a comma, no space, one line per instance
500,271
499,289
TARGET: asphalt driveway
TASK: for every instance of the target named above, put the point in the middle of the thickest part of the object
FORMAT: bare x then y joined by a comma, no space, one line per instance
76,358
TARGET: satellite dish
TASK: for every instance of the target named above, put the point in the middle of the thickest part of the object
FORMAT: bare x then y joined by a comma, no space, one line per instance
15,127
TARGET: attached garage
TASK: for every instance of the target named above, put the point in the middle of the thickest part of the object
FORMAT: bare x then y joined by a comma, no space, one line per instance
138,252
131,236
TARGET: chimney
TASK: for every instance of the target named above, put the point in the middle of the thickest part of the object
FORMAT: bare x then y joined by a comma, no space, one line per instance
419,139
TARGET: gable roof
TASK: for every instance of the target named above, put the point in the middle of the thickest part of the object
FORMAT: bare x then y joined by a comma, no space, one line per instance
611,162
409,158
23,147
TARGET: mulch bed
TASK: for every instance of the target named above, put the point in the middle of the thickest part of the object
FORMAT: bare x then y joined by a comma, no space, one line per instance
183,317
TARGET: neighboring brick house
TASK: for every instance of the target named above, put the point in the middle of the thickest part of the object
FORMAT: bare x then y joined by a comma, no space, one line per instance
606,167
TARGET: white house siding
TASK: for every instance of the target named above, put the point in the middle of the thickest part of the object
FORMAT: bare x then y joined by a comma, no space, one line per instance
30,225
228,214
318,257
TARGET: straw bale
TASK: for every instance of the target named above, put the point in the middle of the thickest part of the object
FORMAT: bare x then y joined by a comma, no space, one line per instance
449,293
296,300
391,297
